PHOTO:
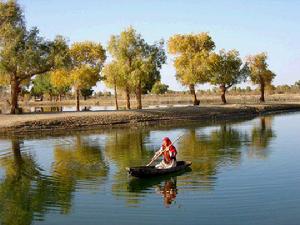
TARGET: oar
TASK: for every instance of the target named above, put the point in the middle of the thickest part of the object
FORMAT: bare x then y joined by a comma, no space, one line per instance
157,154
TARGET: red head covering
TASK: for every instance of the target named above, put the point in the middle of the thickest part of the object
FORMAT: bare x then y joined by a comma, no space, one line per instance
171,151
167,141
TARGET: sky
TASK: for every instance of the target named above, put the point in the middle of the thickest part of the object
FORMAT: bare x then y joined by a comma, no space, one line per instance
250,27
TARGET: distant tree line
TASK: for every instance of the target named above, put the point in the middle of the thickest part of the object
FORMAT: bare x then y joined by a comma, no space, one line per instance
29,61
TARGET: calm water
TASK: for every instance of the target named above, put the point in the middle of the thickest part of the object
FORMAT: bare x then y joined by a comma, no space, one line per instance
242,173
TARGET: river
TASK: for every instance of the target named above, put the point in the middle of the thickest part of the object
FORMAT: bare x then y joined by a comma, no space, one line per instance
243,172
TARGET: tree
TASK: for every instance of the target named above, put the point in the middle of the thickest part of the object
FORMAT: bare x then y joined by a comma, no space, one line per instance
82,71
226,70
113,78
87,62
24,53
42,85
159,88
259,72
191,59
60,81
138,62
297,84
86,92
147,66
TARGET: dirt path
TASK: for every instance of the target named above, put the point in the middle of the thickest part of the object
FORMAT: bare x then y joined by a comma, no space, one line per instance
91,120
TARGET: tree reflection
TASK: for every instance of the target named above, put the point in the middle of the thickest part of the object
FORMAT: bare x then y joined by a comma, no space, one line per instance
208,152
261,137
23,191
81,161
126,148
216,148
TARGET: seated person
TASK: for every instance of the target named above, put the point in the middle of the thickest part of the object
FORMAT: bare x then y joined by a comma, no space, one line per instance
168,151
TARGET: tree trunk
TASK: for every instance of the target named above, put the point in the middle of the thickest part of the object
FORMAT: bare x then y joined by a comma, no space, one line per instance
59,97
138,94
127,98
77,93
263,123
84,97
15,90
193,93
223,92
15,145
116,97
262,92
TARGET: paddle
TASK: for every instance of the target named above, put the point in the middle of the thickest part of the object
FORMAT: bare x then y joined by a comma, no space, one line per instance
158,153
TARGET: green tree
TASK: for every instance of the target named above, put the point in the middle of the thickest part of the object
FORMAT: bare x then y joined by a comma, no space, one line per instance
86,92
24,53
191,59
42,85
297,84
226,70
147,70
87,62
138,62
259,72
113,78
159,88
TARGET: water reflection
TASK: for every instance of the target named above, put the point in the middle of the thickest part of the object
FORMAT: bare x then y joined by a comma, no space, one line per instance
261,136
29,190
80,161
168,191
210,150
24,192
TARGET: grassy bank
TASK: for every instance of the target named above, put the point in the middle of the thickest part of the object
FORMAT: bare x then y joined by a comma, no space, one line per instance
51,122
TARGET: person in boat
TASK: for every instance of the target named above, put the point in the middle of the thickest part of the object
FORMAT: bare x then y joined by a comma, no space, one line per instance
169,152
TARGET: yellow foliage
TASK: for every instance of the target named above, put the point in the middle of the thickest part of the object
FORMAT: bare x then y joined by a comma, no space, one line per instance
60,78
4,79
84,77
88,53
259,72
192,53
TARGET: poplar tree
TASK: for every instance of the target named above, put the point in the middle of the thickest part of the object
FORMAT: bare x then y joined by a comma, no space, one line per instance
226,70
138,62
23,53
191,62
260,74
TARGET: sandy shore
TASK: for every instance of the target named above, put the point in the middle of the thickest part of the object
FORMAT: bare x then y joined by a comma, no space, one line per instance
90,120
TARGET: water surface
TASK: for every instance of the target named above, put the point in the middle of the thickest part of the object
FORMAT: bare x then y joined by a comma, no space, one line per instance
243,173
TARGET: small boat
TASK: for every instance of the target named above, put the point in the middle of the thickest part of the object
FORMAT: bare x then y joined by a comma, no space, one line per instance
151,171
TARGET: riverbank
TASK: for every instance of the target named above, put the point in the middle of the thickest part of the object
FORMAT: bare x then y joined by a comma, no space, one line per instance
51,122
149,101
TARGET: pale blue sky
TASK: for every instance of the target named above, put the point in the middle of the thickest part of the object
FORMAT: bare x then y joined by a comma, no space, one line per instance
248,26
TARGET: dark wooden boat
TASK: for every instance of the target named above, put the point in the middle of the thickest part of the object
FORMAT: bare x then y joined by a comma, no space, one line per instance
151,171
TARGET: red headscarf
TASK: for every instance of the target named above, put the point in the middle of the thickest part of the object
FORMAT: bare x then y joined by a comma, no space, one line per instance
167,141
171,153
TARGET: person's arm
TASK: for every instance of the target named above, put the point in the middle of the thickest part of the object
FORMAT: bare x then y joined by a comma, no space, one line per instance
160,151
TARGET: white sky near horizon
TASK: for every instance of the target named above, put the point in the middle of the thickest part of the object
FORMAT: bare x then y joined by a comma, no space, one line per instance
250,27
